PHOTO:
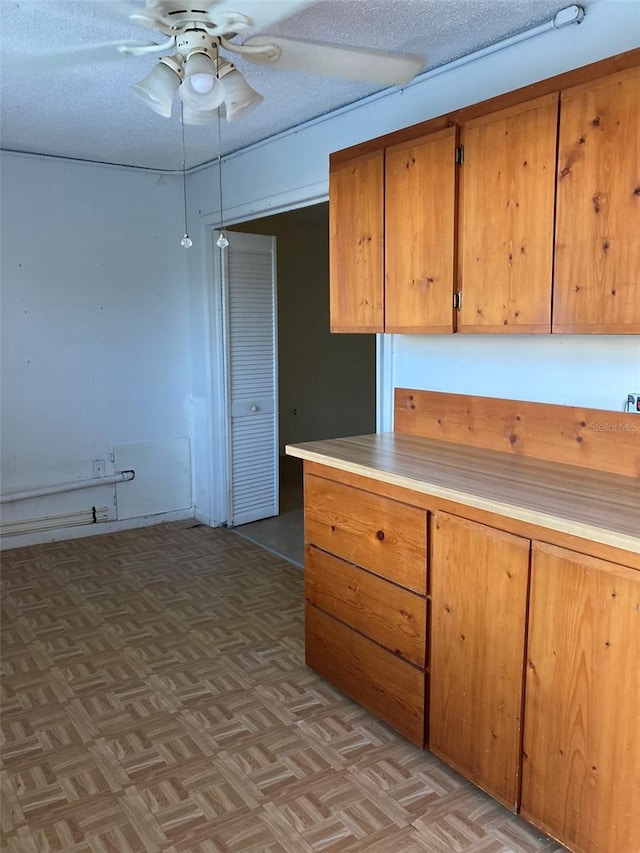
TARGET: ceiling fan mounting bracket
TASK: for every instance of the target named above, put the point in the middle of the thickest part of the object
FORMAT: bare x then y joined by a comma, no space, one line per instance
197,41
175,17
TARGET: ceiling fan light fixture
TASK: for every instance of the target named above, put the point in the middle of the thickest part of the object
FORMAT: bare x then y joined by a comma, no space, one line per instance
201,89
158,88
239,97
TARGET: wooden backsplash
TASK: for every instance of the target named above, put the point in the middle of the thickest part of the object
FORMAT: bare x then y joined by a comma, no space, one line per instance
590,438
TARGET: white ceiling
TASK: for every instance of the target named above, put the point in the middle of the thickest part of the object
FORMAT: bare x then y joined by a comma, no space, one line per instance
89,112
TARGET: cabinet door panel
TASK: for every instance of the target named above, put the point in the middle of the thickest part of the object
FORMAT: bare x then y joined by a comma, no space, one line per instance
581,770
389,687
356,223
479,585
507,185
393,617
385,536
420,187
596,283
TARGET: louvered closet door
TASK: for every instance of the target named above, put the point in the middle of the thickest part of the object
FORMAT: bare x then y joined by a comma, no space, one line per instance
252,378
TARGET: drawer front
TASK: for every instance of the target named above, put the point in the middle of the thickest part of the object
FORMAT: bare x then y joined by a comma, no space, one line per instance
384,684
391,616
382,535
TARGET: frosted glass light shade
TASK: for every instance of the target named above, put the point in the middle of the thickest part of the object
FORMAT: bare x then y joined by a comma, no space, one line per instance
239,97
200,117
158,88
201,89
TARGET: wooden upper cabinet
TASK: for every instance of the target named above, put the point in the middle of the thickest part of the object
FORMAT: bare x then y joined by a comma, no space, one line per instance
420,191
597,266
479,587
537,229
356,241
581,769
507,193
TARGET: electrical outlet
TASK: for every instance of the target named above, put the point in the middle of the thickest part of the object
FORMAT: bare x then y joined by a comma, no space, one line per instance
293,412
633,404
98,467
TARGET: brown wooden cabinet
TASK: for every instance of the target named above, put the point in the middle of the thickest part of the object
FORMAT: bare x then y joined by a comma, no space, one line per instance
420,201
411,233
445,593
502,215
356,224
597,266
513,660
479,587
507,190
581,771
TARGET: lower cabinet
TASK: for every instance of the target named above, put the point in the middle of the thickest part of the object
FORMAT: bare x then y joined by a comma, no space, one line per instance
520,659
581,768
479,587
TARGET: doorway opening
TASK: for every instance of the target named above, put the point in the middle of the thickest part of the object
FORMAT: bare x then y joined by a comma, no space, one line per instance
326,382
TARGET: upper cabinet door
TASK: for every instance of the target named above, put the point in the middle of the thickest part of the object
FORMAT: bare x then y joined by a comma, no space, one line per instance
420,188
356,244
597,270
507,185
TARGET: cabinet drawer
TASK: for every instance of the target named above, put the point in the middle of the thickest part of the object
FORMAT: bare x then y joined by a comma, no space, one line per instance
387,686
391,616
382,535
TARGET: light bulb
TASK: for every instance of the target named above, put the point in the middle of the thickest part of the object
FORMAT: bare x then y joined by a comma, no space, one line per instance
202,83
222,241
186,242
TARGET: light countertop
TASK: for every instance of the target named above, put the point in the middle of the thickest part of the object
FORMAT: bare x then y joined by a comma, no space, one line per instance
601,507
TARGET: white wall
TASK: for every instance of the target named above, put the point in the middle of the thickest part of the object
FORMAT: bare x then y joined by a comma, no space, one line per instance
94,322
575,370
293,169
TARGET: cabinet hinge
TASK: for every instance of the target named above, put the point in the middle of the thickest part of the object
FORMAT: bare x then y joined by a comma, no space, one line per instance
457,300
460,155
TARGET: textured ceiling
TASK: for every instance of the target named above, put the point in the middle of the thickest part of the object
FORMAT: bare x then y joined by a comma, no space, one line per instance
89,112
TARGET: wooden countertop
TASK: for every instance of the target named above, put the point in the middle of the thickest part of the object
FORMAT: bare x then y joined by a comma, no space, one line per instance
601,507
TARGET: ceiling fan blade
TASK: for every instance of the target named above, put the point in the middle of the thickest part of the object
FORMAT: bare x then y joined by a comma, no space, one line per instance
336,60
84,55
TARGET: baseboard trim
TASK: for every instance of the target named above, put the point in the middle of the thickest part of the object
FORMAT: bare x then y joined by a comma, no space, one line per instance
44,536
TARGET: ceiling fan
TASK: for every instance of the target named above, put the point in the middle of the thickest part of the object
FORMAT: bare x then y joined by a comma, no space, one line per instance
201,34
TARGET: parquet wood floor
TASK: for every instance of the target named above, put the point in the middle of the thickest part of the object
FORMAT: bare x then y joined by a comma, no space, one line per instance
155,698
